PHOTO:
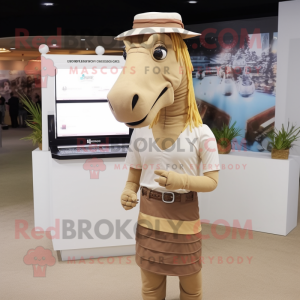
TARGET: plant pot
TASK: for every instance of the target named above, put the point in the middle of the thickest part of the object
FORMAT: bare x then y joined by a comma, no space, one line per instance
224,150
280,154
40,146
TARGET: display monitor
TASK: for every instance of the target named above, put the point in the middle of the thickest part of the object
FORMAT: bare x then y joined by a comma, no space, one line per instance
87,119
85,84
82,109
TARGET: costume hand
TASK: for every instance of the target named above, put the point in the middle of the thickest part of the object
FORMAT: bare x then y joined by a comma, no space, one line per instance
171,180
129,199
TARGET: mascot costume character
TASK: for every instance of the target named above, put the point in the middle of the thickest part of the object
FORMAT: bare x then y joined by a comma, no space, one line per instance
154,95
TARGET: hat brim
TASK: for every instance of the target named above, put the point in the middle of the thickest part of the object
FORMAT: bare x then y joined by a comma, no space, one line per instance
185,34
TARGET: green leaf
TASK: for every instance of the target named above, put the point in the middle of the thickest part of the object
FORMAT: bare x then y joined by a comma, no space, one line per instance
283,139
226,133
35,119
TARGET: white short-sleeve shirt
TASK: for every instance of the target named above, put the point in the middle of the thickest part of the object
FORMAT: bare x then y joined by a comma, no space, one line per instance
183,157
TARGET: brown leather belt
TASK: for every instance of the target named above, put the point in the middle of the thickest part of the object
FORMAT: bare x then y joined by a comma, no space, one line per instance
169,197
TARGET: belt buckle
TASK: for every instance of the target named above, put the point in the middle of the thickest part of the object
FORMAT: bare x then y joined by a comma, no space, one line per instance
163,197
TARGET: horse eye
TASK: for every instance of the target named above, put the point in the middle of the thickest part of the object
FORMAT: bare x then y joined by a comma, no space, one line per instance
124,54
160,53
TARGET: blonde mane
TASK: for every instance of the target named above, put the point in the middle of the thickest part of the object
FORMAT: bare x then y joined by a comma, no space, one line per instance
182,54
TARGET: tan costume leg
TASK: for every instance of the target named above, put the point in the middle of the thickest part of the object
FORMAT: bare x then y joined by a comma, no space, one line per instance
191,287
153,286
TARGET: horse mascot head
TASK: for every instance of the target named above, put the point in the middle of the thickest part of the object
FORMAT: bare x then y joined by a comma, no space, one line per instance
157,73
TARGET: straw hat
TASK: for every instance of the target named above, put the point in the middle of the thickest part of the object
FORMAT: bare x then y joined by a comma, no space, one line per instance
157,22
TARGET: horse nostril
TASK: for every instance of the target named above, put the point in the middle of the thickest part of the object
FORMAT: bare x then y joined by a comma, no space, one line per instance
134,100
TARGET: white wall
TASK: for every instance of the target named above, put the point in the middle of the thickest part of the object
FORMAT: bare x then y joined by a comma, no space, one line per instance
288,78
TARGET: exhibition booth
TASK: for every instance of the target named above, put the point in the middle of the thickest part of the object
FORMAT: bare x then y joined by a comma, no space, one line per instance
80,173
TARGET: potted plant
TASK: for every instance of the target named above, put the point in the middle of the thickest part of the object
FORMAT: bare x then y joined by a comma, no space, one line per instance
34,121
282,140
224,136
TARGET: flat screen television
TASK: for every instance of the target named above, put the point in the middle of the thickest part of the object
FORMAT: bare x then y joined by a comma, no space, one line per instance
82,113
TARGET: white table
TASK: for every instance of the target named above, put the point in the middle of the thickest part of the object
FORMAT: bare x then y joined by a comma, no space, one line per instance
254,191
66,194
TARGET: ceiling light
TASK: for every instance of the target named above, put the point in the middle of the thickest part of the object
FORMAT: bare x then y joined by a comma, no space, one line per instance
3,50
48,4
83,39
192,2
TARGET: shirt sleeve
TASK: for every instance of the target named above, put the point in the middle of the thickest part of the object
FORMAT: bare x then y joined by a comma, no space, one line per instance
133,158
208,150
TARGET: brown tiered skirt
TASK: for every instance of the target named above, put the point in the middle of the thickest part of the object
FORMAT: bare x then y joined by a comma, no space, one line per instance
168,253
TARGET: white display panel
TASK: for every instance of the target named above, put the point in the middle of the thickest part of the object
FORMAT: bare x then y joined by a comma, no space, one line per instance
87,119
85,84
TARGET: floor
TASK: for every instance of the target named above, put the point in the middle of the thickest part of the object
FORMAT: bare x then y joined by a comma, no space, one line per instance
265,267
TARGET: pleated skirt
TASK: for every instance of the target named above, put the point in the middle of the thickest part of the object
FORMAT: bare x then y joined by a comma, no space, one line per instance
168,253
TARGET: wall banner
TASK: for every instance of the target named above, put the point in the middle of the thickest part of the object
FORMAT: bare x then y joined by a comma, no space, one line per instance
234,77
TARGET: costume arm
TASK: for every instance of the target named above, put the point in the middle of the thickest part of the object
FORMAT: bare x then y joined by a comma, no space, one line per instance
204,184
129,196
174,181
